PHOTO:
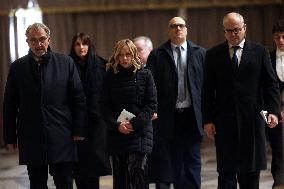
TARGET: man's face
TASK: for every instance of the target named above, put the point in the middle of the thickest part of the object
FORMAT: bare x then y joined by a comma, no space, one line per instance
38,42
177,30
235,31
142,49
279,40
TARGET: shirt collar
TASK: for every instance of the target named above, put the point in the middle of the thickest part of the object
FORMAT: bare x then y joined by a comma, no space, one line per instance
241,45
183,45
279,53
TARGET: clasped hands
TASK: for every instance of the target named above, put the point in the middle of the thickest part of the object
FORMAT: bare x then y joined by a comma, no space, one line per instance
125,127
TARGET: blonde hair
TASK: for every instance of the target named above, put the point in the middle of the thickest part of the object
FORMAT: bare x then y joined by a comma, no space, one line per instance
113,61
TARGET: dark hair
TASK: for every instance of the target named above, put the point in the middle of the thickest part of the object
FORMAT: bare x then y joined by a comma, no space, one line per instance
278,26
86,39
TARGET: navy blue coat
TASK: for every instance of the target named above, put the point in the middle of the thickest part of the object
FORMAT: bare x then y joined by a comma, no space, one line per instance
161,63
42,112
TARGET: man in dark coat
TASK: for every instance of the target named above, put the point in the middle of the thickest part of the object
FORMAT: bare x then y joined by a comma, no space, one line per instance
239,83
274,135
44,110
177,67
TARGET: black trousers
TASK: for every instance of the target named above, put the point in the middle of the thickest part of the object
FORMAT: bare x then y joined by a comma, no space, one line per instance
82,179
275,140
163,185
229,180
185,151
61,172
130,171
87,183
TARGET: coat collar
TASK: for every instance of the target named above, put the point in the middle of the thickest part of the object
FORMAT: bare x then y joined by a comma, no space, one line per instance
168,48
45,57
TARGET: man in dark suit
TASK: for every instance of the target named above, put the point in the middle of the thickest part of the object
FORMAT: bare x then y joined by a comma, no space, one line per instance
44,111
177,67
239,82
274,135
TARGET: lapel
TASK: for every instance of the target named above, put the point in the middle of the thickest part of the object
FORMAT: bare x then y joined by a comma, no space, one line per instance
167,47
273,58
191,61
226,56
246,55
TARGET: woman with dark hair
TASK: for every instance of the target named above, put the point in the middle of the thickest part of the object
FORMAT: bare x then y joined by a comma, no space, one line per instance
128,87
93,159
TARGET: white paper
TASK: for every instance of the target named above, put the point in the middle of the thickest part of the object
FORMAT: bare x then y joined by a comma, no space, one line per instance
264,115
125,116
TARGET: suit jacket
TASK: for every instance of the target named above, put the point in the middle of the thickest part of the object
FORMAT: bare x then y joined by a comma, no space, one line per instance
161,63
232,99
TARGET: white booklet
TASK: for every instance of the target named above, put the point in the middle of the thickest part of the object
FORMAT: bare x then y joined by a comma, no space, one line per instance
125,116
264,115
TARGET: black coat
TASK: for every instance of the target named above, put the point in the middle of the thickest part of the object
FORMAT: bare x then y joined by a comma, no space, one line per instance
135,93
42,112
92,152
273,61
161,63
233,98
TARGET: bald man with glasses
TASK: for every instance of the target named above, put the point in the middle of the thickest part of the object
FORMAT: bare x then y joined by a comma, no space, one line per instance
239,82
177,67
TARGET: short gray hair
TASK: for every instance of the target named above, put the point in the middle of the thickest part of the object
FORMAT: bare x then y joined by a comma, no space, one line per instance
37,27
233,14
147,41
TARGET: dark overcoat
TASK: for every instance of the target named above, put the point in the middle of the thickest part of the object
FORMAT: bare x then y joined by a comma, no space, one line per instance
161,63
44,110
92,152
232,99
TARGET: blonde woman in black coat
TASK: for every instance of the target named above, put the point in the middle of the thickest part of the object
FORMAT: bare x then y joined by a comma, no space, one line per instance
129,87
93,159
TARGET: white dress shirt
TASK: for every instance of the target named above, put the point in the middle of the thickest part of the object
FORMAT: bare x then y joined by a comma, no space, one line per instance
280,64
239,50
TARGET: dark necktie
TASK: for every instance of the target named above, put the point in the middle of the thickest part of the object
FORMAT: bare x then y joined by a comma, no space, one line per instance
181,76
234,57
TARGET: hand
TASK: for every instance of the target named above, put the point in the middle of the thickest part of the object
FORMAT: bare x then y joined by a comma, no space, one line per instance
209,129
125,127
272,120
11,148
154,116
78,138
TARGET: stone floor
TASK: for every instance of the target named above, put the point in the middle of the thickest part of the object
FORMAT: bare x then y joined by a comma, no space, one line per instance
13,176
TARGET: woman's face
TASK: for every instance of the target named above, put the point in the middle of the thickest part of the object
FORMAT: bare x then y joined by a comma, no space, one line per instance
80,48
125,57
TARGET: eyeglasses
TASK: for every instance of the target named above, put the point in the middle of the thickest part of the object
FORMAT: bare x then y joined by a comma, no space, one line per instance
175,26
35,41
127,55
235,30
